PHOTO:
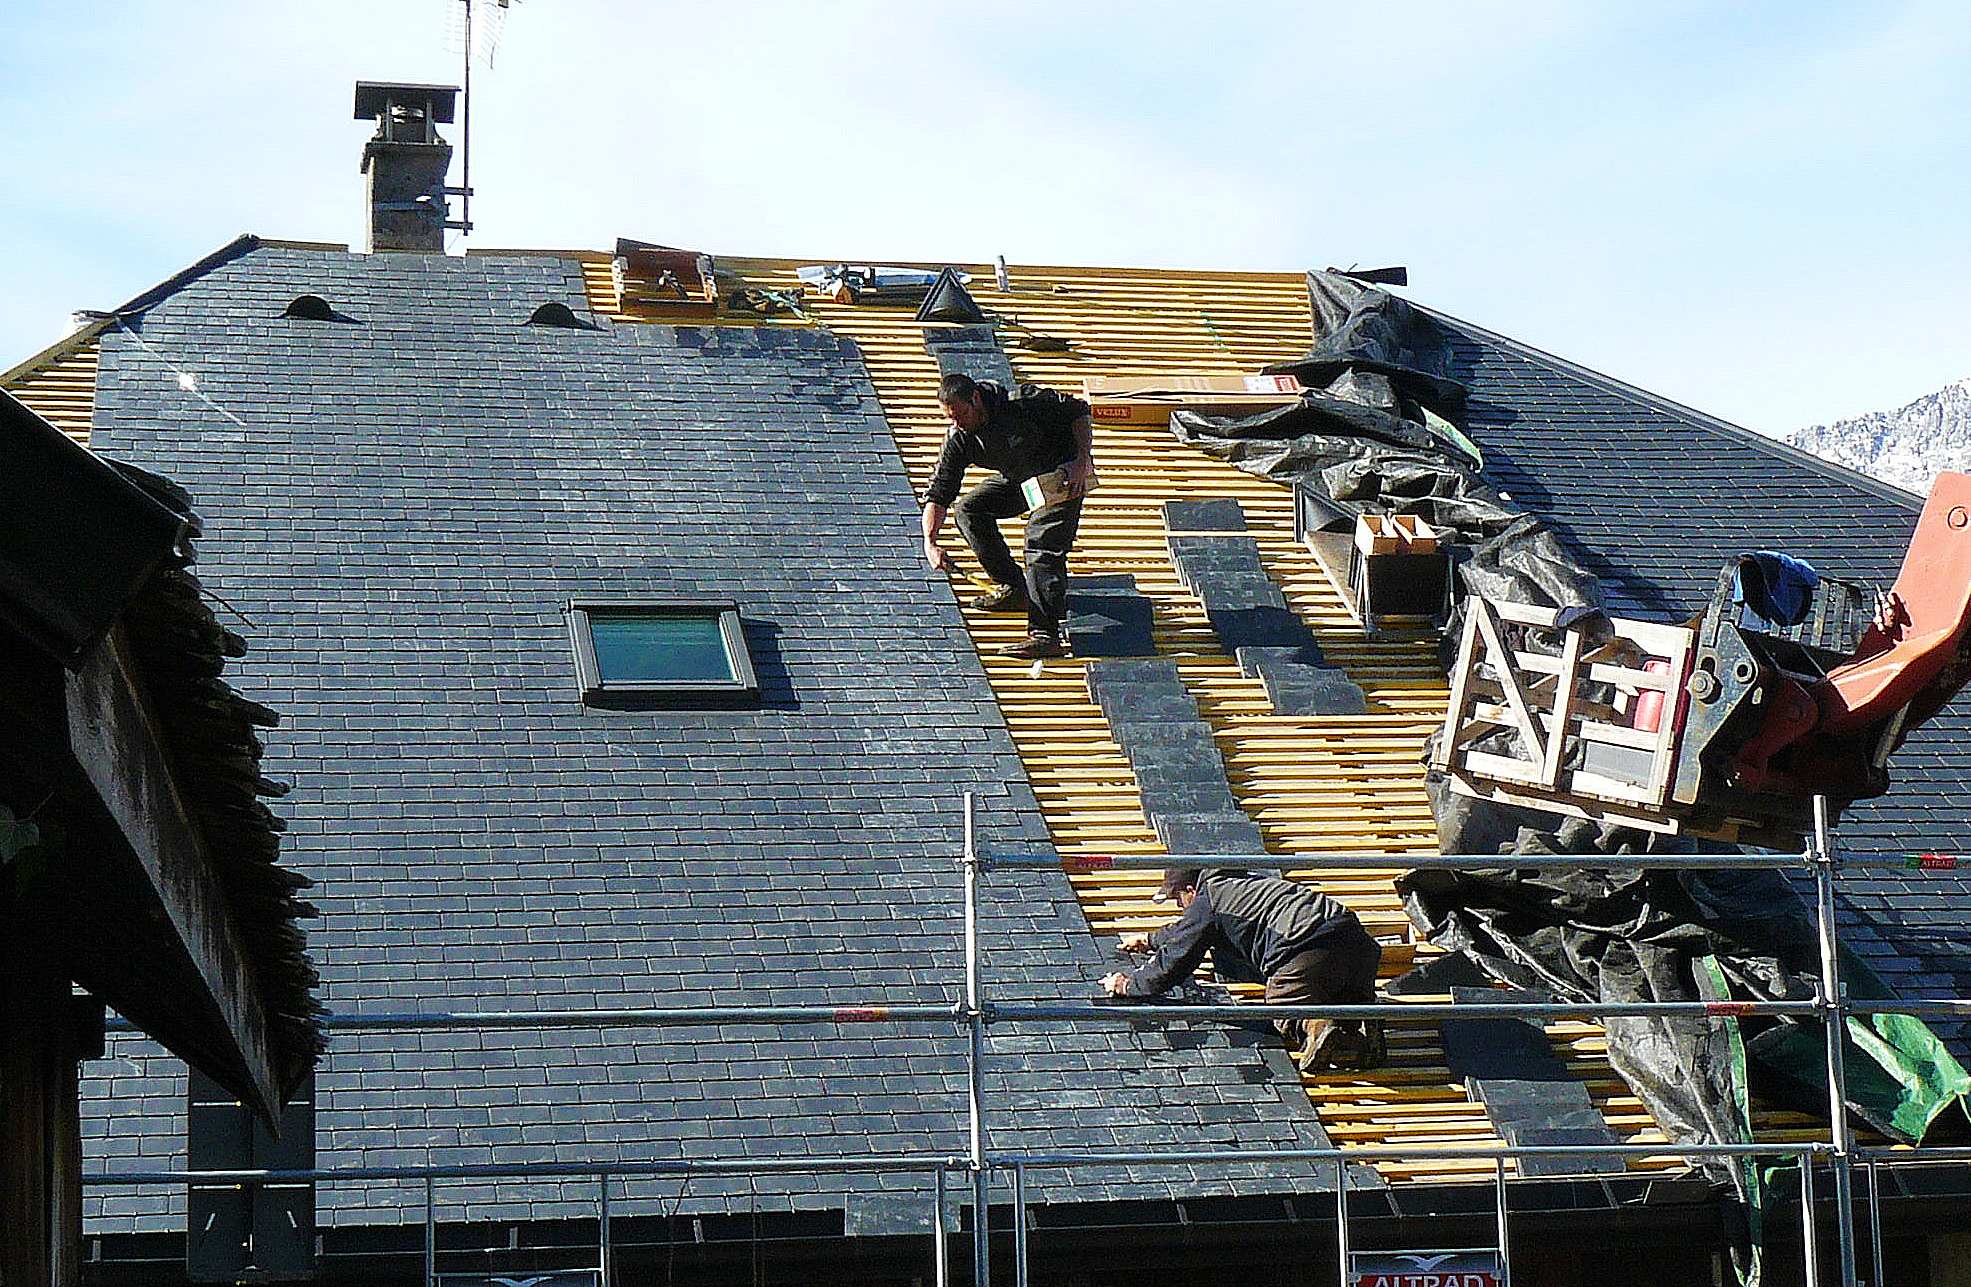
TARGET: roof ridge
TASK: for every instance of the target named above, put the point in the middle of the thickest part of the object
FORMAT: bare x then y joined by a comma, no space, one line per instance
99,321
243,244
1691,415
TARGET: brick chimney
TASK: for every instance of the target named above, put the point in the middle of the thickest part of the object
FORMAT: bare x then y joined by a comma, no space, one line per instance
406,162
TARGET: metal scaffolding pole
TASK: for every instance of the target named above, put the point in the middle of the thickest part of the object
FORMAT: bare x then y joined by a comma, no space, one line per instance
1341,1220
1809,1232
1131,1011
975,1019
430,1236
1874,1226
1357,859
1940,1008
1505,1231
647,1017
1393,1153
1020,1271
909,1165
1135,1011
1834,996
843,1164
602,1225
940,1253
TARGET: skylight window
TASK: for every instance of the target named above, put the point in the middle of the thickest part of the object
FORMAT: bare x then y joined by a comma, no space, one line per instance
640,652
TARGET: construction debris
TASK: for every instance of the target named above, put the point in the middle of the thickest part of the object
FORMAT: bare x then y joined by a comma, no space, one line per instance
872,283
651,275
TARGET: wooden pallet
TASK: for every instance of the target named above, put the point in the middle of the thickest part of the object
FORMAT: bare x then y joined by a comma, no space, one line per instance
1571,712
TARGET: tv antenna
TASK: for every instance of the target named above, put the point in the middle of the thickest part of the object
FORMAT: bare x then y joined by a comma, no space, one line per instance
476,26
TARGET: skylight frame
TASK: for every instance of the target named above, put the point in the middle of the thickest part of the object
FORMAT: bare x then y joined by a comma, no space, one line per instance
596,690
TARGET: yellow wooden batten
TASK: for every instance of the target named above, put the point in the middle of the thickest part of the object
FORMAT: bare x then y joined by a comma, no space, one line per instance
59,385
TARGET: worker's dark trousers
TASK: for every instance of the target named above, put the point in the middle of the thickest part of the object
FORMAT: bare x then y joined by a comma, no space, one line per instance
1050,534
1338,970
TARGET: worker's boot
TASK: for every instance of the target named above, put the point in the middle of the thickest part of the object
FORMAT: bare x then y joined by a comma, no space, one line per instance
1034,647
1375,1049
1007,598
1317,1037
1346,1048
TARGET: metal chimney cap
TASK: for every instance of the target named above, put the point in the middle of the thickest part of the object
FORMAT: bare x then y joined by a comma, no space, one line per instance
373,98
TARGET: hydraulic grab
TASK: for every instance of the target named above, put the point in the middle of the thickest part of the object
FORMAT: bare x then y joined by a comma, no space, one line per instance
1726,727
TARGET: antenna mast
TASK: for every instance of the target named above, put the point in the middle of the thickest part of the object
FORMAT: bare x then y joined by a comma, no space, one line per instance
465,177
490,35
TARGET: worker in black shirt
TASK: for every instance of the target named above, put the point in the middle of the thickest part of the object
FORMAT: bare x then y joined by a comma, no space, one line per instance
1307,948
1025,434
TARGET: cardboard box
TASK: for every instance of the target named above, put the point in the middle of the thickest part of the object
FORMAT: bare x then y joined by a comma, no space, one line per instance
1149,399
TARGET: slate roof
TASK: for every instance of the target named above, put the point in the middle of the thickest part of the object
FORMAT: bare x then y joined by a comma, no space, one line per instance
411,495
1656,497
400,504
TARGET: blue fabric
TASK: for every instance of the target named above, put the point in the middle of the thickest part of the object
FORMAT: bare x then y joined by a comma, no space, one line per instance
1777,587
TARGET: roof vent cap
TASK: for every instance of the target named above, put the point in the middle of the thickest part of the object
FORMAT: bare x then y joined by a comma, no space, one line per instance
310,308
949,301
556,313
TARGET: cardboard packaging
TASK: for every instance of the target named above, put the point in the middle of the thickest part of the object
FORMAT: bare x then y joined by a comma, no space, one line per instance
1149,399
1047,490
1394,534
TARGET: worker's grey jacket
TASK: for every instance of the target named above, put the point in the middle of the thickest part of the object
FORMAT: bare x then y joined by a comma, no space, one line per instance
1251,924
1026,434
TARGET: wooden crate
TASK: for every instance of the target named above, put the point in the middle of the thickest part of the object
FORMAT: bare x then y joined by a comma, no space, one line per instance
1576,742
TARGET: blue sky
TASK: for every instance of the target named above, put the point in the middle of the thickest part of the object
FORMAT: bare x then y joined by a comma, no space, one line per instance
1756,208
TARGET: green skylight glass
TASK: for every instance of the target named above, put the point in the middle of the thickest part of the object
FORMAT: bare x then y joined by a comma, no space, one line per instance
660,648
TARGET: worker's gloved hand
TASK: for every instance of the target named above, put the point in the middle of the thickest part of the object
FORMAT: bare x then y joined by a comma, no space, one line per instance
1116,985
1135,942
1080,474
934,555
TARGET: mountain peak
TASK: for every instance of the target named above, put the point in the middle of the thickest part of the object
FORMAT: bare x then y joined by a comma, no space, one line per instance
1907,446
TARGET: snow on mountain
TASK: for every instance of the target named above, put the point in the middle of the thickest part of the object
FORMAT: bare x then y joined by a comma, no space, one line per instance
1907,446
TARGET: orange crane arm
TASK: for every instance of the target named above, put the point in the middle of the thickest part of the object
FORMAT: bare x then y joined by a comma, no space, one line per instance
1919,643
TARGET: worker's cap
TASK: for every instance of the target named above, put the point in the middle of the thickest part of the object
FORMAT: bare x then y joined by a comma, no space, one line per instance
1174,879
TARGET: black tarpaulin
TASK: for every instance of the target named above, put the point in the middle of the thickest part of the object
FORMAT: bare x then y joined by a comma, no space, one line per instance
1377,433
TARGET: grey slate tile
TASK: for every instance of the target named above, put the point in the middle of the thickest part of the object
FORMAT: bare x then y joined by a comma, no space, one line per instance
1221,514
1231,832
1107,617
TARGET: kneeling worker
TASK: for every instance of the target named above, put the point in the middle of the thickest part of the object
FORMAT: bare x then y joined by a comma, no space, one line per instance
1307,948
1033,433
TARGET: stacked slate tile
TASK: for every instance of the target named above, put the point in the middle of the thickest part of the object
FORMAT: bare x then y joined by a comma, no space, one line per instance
1108,617
970,350
1217,560
1179,773
1509,1066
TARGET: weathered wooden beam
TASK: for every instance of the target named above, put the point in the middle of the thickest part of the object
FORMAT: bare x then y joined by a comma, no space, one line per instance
33,992
200,999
